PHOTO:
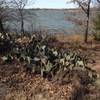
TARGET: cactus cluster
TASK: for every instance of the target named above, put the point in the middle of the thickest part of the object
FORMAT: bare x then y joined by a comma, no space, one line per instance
54,63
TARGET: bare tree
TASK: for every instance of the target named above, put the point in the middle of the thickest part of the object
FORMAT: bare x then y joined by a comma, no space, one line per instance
3,14
85,6
20,5
98,1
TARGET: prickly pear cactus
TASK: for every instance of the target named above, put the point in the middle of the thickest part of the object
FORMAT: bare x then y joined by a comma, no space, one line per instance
49,61
57,64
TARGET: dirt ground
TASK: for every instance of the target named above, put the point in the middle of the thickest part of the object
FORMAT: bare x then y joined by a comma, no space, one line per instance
17,84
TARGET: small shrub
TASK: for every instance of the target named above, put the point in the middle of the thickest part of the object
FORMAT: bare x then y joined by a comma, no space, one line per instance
97,35
6,42
97,28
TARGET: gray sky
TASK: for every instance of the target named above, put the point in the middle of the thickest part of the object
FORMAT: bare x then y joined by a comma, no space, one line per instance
51,4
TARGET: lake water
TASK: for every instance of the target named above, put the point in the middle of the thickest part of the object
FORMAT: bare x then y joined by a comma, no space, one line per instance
51,21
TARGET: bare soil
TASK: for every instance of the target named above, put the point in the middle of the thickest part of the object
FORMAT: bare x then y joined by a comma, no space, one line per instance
18,84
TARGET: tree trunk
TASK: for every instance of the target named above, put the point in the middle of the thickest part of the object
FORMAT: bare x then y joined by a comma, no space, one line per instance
1,26
87,31
87,23
22,26
22,23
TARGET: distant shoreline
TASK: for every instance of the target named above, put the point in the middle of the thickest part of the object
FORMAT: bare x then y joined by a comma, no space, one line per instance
58,9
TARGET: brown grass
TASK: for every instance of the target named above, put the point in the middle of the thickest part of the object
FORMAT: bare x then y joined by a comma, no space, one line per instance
73,38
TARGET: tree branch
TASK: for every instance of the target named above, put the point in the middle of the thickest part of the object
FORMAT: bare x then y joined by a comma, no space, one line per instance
98,1
81,6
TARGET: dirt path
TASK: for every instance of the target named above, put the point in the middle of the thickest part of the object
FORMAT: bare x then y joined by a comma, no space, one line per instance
16,84
3,91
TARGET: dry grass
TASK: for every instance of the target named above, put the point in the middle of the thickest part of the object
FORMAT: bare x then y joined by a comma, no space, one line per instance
17,84
73,37
76,41
69,38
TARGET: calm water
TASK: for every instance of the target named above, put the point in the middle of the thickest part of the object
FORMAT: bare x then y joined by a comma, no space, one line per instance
52,21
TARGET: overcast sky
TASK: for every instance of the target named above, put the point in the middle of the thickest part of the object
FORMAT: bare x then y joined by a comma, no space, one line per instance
54,4
50,4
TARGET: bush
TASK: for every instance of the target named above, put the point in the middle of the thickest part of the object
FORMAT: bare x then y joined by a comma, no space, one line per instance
97,35
97,28
6,42
54,63
57,64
